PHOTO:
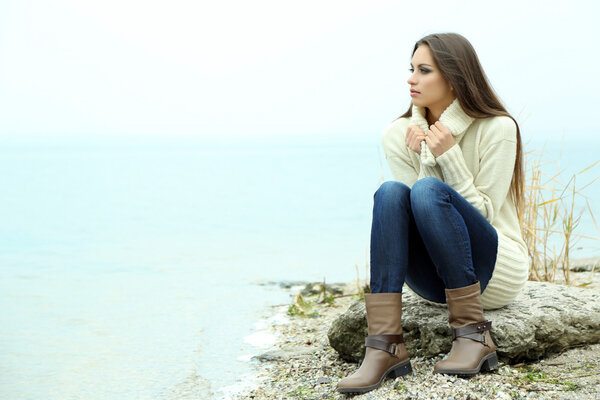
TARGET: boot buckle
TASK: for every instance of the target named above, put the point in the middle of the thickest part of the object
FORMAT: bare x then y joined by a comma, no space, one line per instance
387,343
474,331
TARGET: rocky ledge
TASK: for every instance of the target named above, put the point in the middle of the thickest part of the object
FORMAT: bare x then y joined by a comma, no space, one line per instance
545,318
303,365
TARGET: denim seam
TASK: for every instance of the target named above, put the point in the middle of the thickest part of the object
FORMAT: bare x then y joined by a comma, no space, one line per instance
467,254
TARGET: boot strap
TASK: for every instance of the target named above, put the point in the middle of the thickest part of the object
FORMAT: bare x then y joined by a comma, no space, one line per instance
387,343
474,331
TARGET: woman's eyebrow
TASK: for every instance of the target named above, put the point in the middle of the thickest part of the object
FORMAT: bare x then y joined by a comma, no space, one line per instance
420,65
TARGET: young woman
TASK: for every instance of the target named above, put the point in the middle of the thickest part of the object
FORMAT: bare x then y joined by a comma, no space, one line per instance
447,225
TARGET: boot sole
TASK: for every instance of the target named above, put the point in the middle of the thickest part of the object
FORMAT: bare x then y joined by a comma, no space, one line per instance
487,363
398,370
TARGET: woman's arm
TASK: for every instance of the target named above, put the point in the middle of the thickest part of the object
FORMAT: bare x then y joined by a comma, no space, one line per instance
488,190
396,152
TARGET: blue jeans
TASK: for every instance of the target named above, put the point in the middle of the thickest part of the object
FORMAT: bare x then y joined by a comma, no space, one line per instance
430,237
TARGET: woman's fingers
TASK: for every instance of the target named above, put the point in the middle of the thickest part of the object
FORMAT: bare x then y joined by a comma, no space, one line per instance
440,139
412,131
434,131
442,128
414,137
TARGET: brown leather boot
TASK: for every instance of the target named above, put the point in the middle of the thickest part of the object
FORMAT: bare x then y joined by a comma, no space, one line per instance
385,353
472,345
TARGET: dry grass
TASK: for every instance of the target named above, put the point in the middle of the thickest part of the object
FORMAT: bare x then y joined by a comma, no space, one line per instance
550,217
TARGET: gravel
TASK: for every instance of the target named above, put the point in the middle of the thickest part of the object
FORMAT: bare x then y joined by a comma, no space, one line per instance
304,366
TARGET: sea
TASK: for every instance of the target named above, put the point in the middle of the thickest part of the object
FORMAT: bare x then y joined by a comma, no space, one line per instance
149,266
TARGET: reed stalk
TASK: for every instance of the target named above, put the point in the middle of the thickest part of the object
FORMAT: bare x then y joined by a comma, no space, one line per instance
550,220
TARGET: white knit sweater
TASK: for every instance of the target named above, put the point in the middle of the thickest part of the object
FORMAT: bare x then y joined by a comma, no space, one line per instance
479,167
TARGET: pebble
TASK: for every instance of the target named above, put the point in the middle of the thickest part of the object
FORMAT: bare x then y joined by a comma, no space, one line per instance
323,379
315,373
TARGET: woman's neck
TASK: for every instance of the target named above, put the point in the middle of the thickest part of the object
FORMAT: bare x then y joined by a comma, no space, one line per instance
433,113
432,116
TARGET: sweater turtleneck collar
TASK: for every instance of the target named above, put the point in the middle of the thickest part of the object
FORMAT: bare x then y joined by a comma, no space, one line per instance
454,118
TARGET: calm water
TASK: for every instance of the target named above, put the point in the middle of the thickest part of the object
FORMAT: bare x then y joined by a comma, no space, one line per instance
130,267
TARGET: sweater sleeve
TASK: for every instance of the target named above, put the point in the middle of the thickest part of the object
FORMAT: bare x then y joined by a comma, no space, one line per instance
488,189
426,172
396,153
402,170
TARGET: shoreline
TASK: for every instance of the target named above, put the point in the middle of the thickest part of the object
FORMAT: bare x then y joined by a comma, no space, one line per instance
262,339
302,365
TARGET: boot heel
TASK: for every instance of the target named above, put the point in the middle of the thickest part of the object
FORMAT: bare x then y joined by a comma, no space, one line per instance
491,363
401,370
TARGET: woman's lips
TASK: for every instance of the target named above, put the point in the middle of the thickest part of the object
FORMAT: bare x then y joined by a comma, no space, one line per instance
414,93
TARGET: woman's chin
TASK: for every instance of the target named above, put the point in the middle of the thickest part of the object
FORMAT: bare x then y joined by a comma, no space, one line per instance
418,103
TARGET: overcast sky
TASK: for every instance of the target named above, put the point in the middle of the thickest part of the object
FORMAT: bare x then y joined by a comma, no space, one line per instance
280,67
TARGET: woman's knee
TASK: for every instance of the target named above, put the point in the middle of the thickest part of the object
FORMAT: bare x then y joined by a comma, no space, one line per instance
392,191
426,191
427,184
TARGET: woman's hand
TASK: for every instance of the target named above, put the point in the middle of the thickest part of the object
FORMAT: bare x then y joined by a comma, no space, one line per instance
439,139
414,137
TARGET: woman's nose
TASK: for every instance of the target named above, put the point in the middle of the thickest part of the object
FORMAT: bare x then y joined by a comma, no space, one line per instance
411,79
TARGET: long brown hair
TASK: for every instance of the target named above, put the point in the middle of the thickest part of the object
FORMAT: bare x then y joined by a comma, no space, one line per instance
459,65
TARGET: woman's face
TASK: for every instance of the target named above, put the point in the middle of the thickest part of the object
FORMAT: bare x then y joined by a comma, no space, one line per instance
428,88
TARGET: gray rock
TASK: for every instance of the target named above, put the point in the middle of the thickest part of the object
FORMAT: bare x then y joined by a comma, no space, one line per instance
315,288
585,264
284,284
323,380
545,318
348,332
286,354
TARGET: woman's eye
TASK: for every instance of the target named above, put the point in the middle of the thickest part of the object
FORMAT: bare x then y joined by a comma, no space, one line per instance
423,70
